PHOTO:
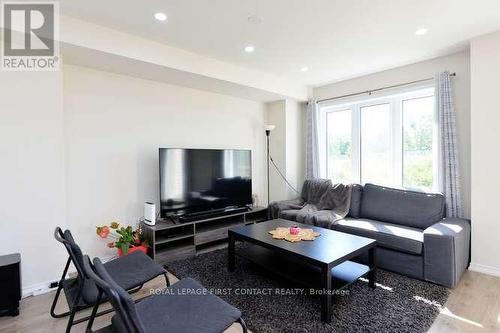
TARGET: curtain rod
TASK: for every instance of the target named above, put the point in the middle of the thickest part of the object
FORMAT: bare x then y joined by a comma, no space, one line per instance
369,92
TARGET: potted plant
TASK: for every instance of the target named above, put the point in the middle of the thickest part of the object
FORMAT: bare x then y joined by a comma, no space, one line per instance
125,239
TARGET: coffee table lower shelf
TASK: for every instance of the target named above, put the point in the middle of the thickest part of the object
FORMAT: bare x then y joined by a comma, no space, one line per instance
302,273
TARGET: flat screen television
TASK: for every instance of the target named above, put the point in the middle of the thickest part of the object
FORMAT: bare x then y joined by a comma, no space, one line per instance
199,180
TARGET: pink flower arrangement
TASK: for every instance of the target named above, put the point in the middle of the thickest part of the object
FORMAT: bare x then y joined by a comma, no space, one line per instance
124,238
103,232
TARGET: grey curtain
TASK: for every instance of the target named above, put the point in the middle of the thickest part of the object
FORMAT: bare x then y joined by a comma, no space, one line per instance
312,141
449,173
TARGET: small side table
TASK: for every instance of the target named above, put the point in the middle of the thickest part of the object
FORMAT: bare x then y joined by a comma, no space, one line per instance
10,286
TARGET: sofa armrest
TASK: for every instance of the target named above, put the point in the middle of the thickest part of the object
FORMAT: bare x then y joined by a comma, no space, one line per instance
276,207
446,251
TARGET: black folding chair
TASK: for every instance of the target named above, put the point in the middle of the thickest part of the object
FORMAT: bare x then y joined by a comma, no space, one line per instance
130,272
184,307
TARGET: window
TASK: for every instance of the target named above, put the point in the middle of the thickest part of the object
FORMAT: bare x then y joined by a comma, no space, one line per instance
418,120
376,143
339,161
388,140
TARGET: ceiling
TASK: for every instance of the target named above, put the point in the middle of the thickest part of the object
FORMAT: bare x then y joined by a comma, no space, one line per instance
335,39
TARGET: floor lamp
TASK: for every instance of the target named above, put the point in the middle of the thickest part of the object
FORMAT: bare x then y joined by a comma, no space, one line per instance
269,128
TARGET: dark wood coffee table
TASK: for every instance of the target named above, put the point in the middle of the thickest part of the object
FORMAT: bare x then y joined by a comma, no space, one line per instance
323,263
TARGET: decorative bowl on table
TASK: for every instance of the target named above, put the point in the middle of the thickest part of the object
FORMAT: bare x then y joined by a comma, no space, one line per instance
294,230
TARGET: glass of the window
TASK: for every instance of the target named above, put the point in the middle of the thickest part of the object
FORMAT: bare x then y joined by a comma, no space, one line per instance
339,157
418,119
376,144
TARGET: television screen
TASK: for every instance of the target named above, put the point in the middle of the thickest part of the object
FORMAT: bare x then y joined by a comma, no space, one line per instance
196,180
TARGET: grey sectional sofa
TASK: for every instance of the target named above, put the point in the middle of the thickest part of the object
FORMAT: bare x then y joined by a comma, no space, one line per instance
414,237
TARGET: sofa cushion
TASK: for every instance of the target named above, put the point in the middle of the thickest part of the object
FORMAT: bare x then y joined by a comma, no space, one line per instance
356,194
276,207
409,208
303,215
289,214
388,235
313,189
325,218
185,307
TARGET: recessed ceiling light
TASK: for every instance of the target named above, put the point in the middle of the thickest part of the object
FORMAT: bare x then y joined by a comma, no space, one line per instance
249,49
421,31
160,16
304,69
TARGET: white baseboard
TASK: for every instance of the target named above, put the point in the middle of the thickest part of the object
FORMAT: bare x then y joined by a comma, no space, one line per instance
490,270
37,289
44,287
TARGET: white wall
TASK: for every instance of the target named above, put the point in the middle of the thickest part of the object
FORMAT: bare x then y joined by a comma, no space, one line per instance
114,125
287,147
79,149
295,146
458,63
32,198
485,125
276,115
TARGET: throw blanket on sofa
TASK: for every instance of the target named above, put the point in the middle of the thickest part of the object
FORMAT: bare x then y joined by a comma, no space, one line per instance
337,199
321,204
334,205
312,191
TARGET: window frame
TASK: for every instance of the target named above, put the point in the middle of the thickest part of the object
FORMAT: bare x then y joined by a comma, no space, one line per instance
395,99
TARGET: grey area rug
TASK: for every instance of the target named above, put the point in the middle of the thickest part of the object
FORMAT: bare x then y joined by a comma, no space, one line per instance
398,303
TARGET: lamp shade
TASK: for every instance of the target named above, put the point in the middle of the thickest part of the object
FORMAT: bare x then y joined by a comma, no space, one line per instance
270,127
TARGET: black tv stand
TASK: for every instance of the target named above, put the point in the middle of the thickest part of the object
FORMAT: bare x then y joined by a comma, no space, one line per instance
210,213
171,240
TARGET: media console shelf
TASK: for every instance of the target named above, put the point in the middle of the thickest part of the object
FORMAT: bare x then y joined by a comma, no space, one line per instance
171,241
